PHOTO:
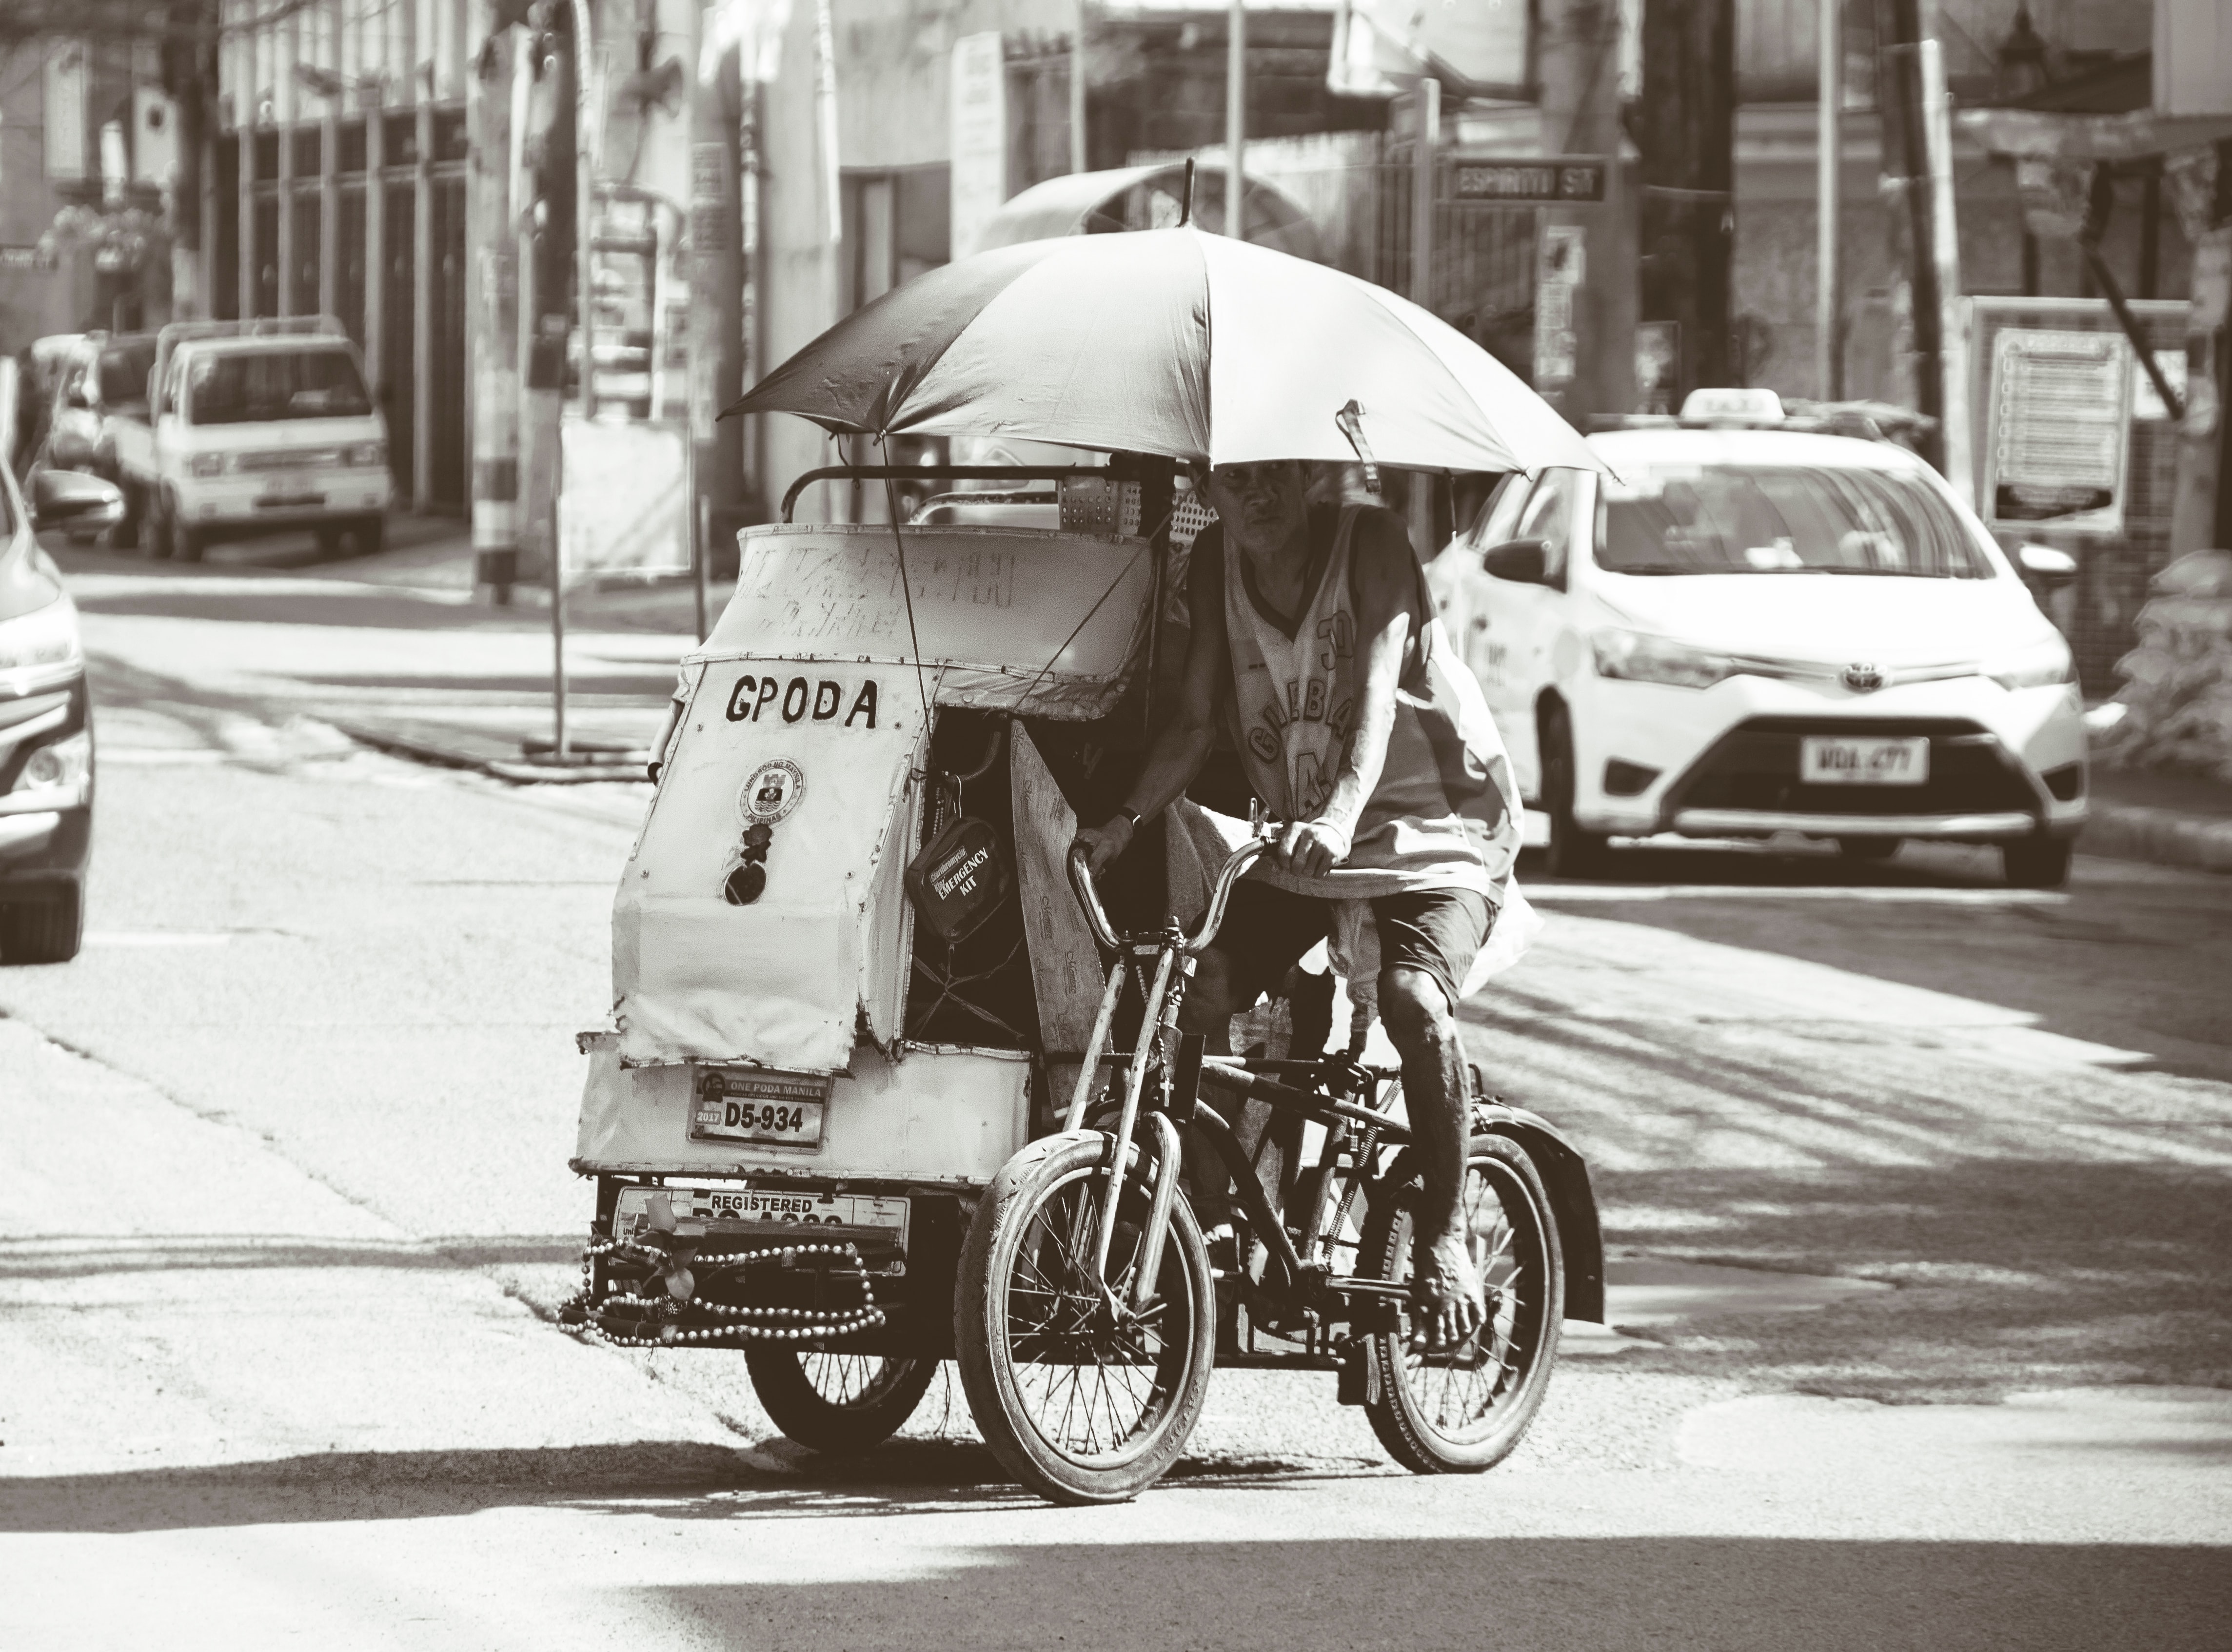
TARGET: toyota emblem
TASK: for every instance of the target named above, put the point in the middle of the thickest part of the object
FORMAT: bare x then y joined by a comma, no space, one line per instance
1863,679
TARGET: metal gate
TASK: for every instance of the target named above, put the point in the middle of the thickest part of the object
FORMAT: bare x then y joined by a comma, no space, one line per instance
1482,279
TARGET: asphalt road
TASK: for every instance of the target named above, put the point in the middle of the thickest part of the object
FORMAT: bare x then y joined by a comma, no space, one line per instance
1916,1187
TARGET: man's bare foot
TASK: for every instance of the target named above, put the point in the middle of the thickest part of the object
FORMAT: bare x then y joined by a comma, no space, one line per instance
1447,1308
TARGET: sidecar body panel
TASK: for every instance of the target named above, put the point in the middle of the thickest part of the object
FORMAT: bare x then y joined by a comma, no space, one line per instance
940,1116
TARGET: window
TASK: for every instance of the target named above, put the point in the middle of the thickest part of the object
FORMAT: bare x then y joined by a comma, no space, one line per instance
1783,519
1549,517
1500,515
898,223
124,370
253,385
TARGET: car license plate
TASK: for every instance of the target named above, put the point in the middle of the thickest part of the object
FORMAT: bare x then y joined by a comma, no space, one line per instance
754,1105
1824,760
747,1205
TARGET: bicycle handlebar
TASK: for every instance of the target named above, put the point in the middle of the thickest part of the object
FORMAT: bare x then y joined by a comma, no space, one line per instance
1096,916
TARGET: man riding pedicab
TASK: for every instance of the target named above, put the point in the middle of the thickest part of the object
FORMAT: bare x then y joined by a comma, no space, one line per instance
1315,647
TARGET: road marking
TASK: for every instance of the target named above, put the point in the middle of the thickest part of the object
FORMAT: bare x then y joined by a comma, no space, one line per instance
1552,894
158,938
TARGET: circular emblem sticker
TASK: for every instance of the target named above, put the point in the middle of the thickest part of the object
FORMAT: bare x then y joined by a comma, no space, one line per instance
772,793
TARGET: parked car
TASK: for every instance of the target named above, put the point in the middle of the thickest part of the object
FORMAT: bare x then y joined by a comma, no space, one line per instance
46,724
255,427
1761,628
102,382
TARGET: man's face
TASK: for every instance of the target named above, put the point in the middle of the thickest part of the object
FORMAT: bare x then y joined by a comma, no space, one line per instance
1261,505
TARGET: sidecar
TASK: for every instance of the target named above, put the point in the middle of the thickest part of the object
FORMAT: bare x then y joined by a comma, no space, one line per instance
846,961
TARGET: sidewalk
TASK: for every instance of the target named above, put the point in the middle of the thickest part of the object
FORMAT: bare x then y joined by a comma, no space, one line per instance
2168,819
398,649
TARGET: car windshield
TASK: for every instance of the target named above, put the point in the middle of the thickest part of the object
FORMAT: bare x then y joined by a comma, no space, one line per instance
1782,519
253,385
123,371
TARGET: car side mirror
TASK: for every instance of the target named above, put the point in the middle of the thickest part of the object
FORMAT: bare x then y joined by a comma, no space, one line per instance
74,499
1522,561
2045,565
75,397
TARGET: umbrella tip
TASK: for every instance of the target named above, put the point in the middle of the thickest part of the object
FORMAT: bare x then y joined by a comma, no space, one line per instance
1185,206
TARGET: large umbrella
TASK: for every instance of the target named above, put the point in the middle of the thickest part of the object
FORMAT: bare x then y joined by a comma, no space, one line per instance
1168,341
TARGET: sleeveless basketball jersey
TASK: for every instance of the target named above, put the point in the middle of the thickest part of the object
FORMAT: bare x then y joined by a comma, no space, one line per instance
1444,814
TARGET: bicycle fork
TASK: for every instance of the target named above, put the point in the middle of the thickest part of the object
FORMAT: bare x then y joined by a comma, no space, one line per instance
1158,1023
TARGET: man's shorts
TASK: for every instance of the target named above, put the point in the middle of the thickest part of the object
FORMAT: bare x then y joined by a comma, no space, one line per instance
1440,931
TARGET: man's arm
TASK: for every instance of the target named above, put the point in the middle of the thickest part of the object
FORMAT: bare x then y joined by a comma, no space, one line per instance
1181,745
1386,588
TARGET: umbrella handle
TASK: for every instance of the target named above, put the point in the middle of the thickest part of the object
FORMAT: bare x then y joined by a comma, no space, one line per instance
1351,420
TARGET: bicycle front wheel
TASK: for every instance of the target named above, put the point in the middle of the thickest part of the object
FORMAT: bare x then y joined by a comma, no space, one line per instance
1463,1410
1080,1399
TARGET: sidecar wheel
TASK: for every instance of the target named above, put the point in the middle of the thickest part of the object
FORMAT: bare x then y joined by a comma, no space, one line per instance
840,1403
1462,1412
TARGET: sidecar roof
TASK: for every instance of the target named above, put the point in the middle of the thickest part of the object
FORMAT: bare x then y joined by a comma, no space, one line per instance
1002,619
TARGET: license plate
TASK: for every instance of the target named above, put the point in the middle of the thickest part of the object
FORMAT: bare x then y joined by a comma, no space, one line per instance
1824,760
752,1105
747,1207
289,501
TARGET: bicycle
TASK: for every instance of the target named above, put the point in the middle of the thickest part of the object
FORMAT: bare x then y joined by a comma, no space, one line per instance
1087,1308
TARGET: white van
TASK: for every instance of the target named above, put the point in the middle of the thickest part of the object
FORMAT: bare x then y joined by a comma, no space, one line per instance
257,427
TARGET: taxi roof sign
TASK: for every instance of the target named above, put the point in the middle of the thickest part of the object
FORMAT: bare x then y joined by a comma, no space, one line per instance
1747,406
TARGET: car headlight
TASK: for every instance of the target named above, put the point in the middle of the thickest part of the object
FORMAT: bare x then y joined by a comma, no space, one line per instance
206,464
45,639
2036,665
1637,657
63,767
366,453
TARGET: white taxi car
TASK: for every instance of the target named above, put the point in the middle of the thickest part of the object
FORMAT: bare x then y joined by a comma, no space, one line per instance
1758,628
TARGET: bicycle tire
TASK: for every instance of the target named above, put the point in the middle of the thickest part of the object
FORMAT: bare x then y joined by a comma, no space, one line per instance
1023,1290
835,1402
1491,1411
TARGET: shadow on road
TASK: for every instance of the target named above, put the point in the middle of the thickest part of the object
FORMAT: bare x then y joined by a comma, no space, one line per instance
2012,1274
1607,1595
2126,957
671,1479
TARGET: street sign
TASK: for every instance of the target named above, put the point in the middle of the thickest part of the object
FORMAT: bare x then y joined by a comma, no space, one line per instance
1528,182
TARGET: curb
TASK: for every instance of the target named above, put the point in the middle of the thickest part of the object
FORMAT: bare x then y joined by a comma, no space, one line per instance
512,770
2162,837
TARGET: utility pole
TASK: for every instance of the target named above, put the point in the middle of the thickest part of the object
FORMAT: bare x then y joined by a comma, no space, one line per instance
546,267
495,307
1578,63
1829,194
1918,185
1686,138
716,320
1078,147
1235,122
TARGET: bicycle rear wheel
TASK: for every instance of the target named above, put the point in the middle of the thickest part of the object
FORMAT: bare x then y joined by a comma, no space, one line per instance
1461,1412
1081,1402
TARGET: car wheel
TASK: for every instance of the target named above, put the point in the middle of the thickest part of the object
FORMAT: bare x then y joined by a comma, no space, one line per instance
42,931
1573,852
371,534
2036,863
188,543
1868,848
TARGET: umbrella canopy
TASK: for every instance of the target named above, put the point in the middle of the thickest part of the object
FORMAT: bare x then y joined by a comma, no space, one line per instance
1168,341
